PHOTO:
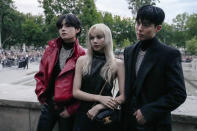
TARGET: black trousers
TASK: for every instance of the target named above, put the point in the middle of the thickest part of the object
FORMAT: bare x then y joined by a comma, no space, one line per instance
49,117
131,124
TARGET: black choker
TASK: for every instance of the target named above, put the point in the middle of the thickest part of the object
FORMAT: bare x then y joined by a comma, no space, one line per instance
68,45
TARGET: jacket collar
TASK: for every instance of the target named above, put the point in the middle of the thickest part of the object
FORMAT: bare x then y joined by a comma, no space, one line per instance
57,43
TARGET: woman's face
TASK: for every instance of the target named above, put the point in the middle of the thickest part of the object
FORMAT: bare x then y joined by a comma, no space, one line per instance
97,40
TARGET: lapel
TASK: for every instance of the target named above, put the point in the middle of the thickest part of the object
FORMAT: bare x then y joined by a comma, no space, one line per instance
70,65
51,60
147,64
131,59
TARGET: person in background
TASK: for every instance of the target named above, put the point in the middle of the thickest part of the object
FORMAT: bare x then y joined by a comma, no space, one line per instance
154,82
93,70
26,61
54,81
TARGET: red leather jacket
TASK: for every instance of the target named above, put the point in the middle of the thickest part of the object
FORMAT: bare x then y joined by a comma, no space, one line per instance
64,81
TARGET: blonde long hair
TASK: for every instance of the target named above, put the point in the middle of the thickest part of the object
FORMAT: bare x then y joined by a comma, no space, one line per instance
108,70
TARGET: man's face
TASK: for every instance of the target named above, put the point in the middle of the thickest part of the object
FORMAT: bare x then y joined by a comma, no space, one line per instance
146,30
68,33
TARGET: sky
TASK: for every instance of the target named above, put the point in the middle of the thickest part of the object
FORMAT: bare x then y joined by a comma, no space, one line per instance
120,7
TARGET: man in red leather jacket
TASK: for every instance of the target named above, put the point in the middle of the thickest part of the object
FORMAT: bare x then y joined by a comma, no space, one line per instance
54,81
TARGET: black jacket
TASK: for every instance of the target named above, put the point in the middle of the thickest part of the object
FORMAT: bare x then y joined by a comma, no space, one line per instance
158,87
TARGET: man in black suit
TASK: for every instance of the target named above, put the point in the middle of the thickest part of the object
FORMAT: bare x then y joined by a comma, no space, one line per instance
154,77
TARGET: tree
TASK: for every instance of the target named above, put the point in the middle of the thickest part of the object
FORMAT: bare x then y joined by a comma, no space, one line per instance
180,21
123,29
58,7
134,5
108,19
88,16
5,6
191,26
126,43
84,9
191,46
180,29
32,29
12,30
166,34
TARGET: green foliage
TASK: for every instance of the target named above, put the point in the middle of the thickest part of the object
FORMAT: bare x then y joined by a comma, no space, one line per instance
191,46
12,32
166,34
126,43
134,5
114,44
17,28
88,16
176,33
191,26
58,7
32,30
5,7
123,29
180,21
50,31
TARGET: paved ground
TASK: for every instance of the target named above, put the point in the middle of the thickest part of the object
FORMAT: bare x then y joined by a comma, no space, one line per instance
19,84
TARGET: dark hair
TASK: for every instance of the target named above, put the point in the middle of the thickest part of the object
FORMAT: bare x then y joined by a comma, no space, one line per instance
71,20
151,13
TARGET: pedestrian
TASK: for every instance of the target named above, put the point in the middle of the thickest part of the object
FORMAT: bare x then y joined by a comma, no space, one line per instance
154,82
97,68
54,81
26,61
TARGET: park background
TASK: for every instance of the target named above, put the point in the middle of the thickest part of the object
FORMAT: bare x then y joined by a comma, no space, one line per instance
26,34
35,29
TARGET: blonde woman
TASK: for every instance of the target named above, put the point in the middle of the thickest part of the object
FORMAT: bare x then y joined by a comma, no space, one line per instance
92,71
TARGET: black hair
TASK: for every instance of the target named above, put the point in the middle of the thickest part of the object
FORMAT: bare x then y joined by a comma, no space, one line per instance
71,20
153,14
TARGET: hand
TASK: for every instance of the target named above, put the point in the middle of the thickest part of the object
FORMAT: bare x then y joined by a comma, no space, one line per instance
108,101
118,103
139,117
93,112
43,100
65,113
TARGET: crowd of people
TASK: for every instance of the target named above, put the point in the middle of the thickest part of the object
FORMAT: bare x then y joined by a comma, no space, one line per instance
19,58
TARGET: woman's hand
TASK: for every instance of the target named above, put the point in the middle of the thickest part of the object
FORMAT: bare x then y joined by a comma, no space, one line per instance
108,101
94,111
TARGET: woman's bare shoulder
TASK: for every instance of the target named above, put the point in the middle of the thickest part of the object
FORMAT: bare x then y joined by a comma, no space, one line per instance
82,59
119,62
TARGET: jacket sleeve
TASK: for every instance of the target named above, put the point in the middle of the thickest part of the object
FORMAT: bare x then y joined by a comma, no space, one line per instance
176,94
126,71
40,82
72,109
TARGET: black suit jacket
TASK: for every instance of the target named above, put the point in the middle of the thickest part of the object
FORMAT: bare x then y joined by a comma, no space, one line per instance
158,87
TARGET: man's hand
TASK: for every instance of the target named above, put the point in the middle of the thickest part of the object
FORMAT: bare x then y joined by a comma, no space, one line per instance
65,113
139,117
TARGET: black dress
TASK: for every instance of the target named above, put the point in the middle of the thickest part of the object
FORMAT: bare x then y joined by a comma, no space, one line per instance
92,83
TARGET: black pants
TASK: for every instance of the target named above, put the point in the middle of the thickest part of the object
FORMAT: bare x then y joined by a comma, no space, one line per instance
49,117
130,124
